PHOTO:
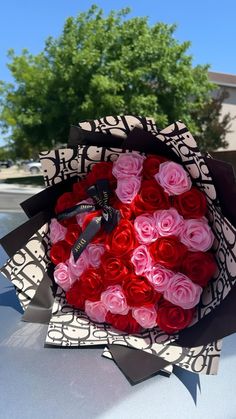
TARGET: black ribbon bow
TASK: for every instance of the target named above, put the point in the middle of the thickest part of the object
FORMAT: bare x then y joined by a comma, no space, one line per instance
100,193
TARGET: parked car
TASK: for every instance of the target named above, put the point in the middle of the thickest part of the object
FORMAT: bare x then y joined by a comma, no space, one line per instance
6,163
34,167
22,163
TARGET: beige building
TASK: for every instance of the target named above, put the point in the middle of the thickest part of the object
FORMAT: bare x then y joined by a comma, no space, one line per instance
227,82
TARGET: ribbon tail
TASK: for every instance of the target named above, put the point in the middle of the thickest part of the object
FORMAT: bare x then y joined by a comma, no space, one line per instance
104,190
73,211
113,219
85,238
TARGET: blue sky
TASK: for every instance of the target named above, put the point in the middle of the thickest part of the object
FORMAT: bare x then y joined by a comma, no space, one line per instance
209,25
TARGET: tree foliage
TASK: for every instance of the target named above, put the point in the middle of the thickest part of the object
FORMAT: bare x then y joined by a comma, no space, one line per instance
213,126
102,66
5,153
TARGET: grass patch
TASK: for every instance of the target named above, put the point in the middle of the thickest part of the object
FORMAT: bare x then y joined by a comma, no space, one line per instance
26,180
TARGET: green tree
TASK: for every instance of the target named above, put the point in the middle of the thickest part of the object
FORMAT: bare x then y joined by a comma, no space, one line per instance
101,66
5,153
212,125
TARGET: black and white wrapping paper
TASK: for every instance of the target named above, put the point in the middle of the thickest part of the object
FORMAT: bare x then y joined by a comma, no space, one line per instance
196,348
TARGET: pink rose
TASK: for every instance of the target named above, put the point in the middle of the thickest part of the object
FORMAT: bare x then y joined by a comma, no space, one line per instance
114,300
80,217
173,178
128,164
141,260
145,316
127,188
62,276
197,235
96,311
168,222
77,268
159,277
145,228
57,231
183,292
95,251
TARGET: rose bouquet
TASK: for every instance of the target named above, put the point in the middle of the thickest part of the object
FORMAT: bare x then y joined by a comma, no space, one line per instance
131,246
146,264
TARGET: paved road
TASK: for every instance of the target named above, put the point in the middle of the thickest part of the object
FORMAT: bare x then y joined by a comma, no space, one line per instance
11,202
12,195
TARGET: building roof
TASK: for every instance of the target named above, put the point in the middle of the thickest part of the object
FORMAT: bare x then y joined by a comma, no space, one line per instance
222,79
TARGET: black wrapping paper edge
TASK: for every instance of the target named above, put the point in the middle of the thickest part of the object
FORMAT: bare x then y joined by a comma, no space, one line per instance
225,183
78,136
136,365
145,142
219,323
40,308
47,197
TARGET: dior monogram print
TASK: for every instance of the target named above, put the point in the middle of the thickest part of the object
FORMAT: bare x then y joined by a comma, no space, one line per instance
26,268
59,165
201,359
119,126
72,328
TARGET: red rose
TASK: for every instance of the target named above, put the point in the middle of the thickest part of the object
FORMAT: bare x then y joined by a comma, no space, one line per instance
114,269
75,297
122,239
65,201
191,204
126,323
60,252
138,291
91,282
150,198
126,210
168,251
80,190
151,165
73,233
199,267
90,179
101,235
171,318
102,170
